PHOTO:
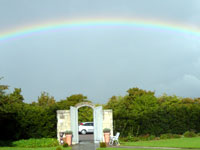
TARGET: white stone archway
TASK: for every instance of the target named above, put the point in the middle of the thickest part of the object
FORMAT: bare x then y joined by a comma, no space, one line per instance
68,120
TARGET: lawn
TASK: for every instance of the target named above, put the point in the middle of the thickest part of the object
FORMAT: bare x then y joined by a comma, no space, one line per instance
20,148
179,143
132,149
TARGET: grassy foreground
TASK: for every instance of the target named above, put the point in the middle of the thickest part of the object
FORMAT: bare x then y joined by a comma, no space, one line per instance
178,143
20,148
131,149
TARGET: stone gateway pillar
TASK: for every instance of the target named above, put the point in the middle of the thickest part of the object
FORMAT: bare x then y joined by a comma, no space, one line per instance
68,120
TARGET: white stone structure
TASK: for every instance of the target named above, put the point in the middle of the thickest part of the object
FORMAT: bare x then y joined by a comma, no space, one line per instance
68,120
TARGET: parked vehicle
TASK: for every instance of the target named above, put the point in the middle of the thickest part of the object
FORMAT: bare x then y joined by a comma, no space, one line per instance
86,127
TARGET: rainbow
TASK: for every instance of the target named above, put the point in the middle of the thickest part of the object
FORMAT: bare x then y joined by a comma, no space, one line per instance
128,22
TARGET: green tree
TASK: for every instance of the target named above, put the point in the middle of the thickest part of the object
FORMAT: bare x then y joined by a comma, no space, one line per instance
16,96
85,114
71,101
2,89
45,100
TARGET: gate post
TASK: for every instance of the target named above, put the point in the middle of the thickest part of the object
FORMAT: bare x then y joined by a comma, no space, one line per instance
74,124
98,124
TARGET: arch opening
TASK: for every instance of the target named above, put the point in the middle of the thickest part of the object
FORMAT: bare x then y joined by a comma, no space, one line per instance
85,123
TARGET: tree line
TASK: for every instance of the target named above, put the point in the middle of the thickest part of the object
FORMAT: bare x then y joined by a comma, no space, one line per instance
20,120
139,112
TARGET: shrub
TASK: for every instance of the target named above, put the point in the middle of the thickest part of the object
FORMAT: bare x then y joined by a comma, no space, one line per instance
144,137
68,132
189,134
166,136
157,138
6,143
44,142
176,136
129,139
106,130
102,144
59,148
151,137
169,136
65,145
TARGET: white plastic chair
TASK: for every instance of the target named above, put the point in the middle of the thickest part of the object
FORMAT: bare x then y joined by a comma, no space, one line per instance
114,139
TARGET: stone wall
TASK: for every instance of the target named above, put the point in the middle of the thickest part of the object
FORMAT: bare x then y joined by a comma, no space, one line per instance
63,121
108,120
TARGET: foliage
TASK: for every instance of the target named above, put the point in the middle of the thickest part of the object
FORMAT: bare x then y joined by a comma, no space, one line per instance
6,143
106,130
102,144
146,137
189,134
19,120
140,113
85,114
65,145
169,136
59,148
68,132
44,142
2,88
129,139
45,100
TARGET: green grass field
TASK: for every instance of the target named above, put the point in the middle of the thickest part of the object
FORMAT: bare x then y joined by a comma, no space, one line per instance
20,148
131,149
179,143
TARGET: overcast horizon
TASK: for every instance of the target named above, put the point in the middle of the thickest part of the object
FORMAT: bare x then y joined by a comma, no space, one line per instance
102,61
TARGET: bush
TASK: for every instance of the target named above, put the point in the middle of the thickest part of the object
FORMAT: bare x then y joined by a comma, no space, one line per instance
106,130
151,137
157,138
6,143
44,142
146,137
102,144
169,136
59,148
65,145
166,136
176,136
129,139
68,132
189,134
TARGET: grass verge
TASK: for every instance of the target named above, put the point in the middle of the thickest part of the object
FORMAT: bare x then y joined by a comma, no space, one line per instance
20,148
31,143
176,143
108,148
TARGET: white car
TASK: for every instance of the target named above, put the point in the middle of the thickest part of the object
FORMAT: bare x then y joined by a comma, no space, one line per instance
86,127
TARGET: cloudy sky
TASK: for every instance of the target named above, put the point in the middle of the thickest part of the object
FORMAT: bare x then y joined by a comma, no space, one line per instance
100,62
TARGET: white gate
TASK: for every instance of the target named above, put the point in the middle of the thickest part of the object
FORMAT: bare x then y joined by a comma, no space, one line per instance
74,124
98,124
